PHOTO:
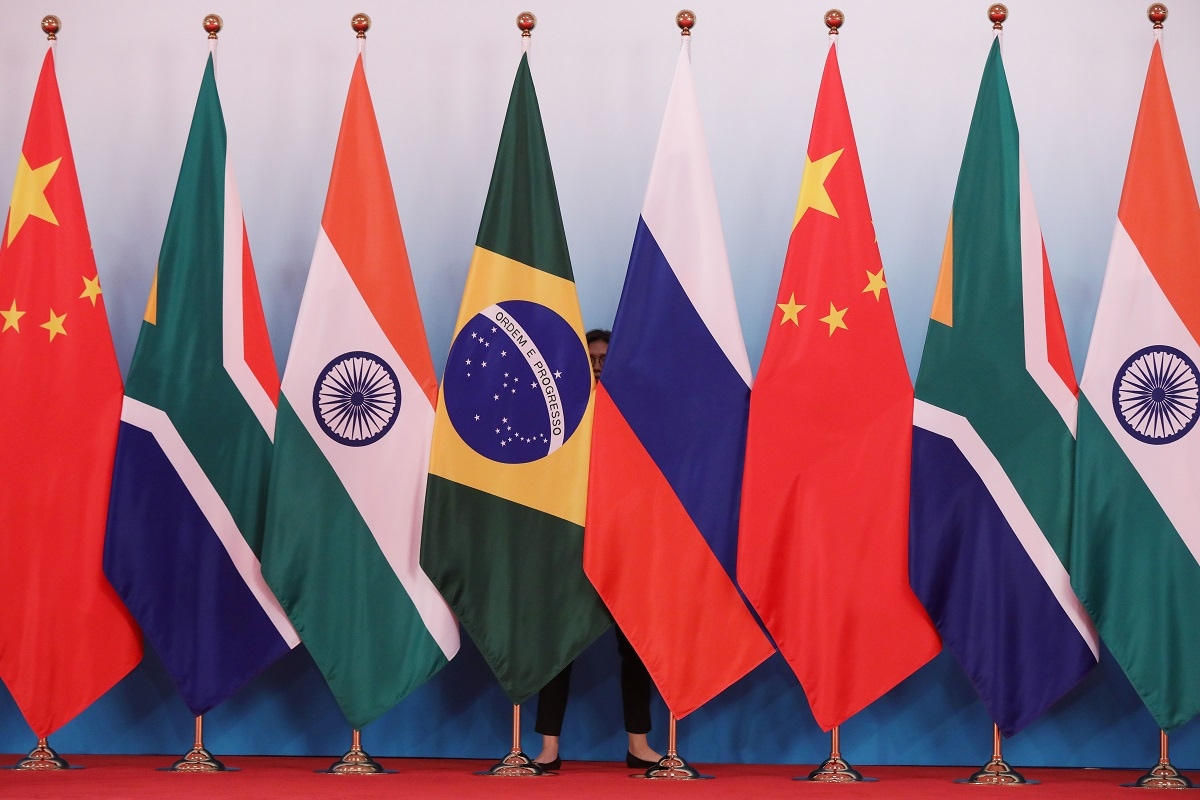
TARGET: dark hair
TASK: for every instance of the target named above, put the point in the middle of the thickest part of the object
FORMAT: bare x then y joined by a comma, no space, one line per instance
598,335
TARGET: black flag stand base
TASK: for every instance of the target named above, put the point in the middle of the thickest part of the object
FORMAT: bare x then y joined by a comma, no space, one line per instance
834,769
672,767
997,772
1163,775
42,758
198,759
356,761
516,764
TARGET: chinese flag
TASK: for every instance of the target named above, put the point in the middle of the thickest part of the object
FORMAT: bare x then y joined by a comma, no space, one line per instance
823,545
65,637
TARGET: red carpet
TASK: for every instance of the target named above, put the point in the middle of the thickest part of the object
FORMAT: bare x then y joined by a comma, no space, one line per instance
266,778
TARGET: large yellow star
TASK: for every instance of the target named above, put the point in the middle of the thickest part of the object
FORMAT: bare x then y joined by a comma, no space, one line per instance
29,196
834,319
790,310
91,289
54,325
12,318
875,282
812,186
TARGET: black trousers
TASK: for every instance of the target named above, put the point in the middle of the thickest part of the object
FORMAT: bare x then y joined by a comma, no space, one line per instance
635,694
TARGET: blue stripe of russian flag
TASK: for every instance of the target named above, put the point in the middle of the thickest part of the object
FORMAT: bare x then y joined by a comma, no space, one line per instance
683,399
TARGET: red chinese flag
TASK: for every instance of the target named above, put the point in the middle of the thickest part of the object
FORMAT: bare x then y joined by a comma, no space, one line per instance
823,545
65,637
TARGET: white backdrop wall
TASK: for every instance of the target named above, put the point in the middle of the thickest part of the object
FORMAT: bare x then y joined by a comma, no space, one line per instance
440,74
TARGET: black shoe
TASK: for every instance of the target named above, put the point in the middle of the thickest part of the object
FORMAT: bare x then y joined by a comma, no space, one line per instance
550,766
633,762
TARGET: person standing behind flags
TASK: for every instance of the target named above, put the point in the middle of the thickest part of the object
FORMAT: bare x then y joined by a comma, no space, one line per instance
635,680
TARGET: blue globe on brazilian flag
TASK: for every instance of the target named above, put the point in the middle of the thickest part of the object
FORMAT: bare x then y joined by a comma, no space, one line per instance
517,382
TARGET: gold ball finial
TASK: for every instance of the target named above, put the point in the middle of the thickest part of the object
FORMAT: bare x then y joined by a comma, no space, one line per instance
834,19
686,20
51,25
526,21
1157,13
360,23
998,13
213,24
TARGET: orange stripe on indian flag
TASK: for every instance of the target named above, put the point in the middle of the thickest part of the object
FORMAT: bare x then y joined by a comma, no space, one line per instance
1159,196
363,225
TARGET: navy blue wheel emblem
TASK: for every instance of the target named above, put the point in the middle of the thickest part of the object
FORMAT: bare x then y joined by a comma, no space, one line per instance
356,398
1156,395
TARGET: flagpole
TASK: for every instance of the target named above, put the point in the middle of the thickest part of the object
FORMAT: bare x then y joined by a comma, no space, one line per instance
42,757
526,22
516,764
356,761
672,766
1163,775
360,23
997,772
51,25
213,25
834,769
998,13
198,759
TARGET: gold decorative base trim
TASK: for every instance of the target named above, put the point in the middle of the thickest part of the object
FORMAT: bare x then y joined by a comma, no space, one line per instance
672,767
1163,776
997,772
514,765
197,760
356,762
834,770
42,759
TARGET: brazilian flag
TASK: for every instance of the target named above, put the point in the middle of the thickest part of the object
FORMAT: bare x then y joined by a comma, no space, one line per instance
507,493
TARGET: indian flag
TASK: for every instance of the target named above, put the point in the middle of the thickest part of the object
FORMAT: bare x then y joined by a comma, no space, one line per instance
1136,538
352,446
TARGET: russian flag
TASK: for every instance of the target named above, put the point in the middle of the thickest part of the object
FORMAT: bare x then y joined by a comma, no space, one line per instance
669,441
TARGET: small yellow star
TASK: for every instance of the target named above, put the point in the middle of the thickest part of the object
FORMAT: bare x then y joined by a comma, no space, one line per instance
812,186
834,319
790,310
12,318
91,289
29,196
875,282
54,325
